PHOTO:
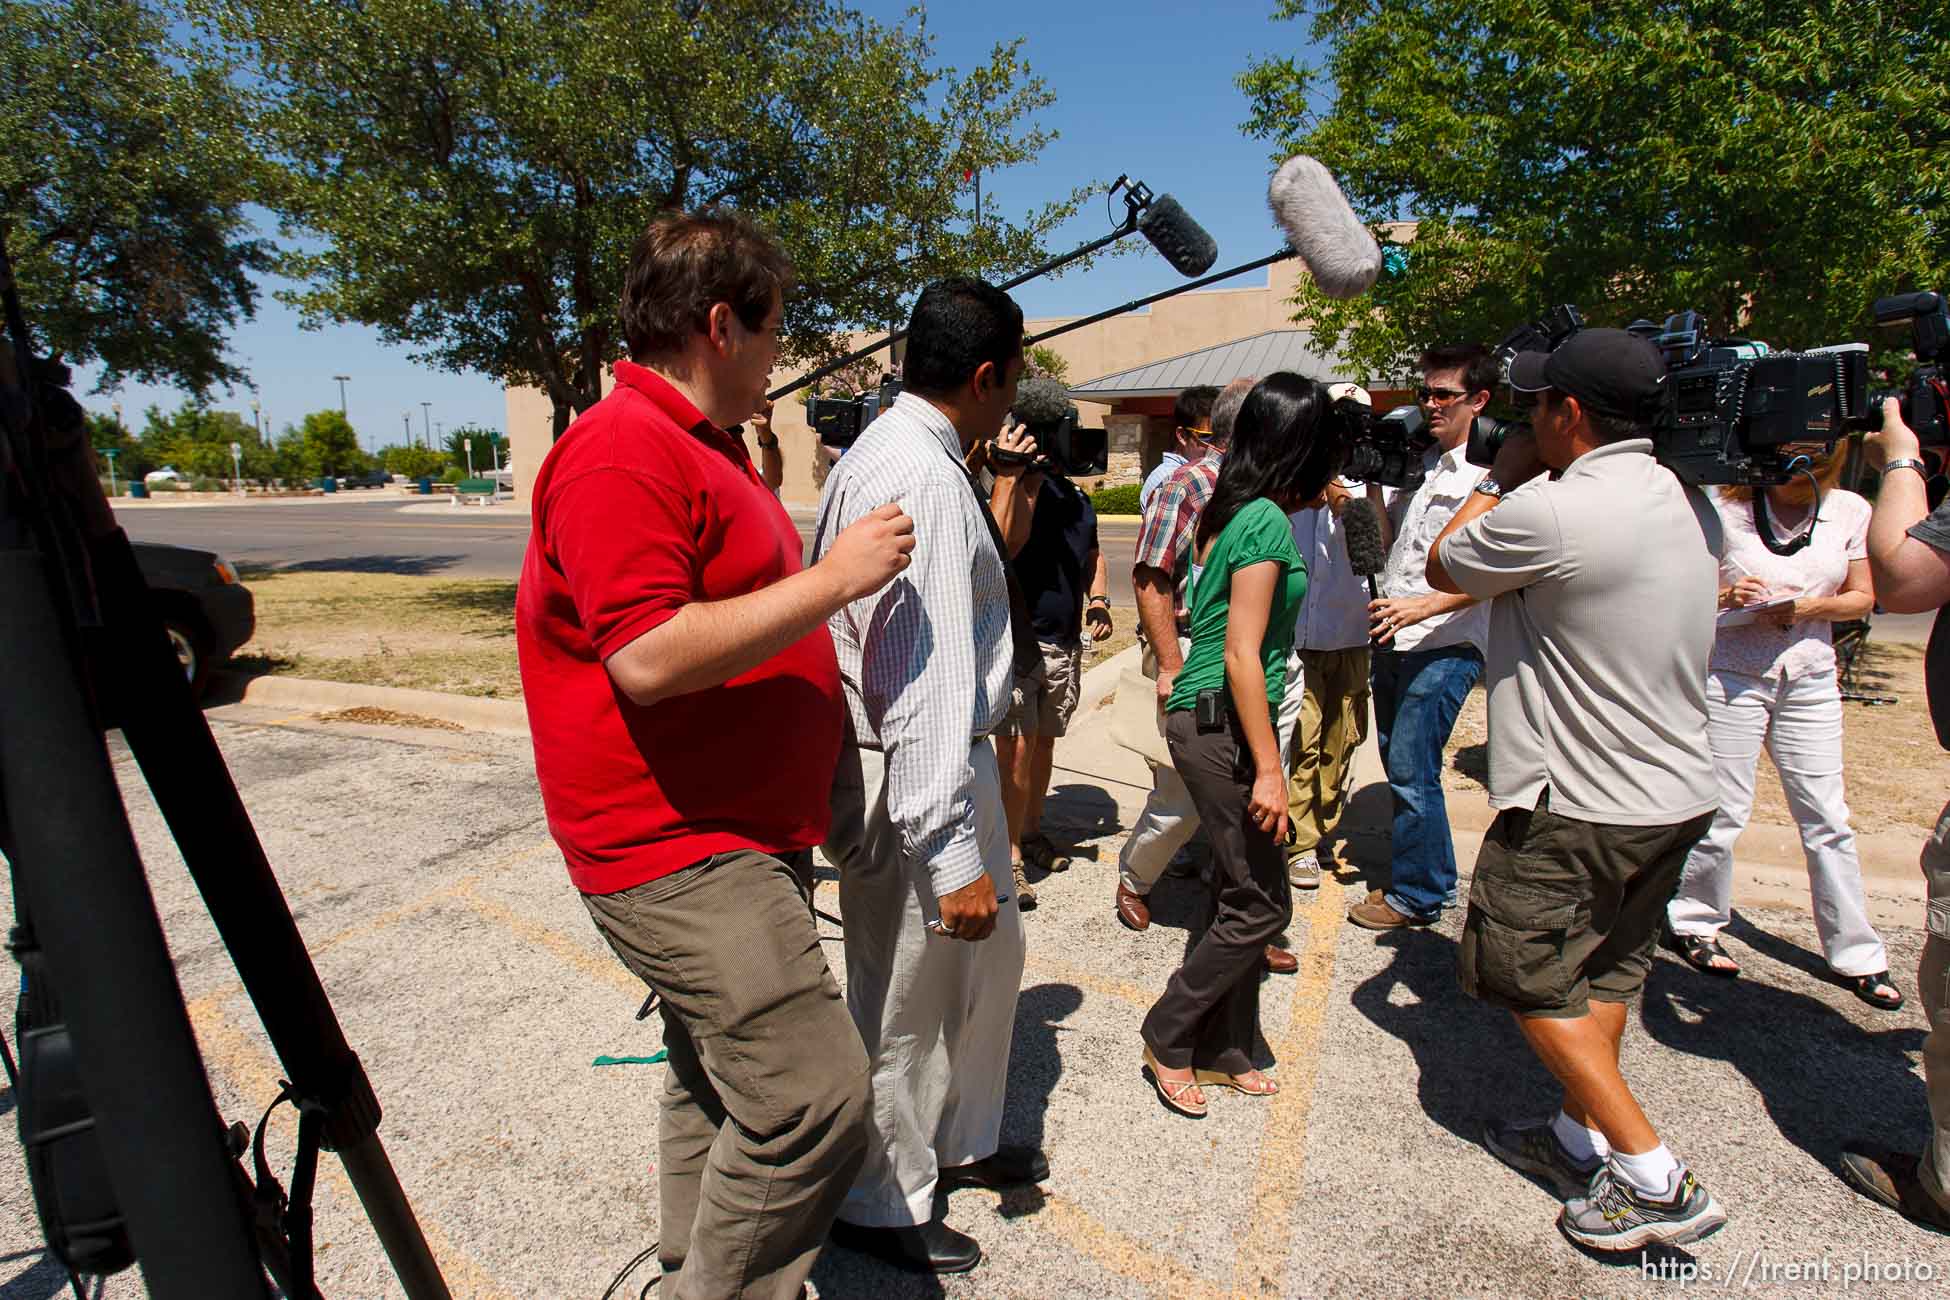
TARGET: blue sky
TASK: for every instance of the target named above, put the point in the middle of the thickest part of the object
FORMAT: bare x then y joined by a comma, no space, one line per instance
1142,87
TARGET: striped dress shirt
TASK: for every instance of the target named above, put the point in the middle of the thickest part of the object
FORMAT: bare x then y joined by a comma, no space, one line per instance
926,661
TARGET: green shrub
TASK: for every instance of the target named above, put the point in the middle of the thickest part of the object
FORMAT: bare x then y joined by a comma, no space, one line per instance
207,484
1119,500
453,474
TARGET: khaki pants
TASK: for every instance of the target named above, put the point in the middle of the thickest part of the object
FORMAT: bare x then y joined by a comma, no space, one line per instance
1333,723
1933,981
936,1013
761,1124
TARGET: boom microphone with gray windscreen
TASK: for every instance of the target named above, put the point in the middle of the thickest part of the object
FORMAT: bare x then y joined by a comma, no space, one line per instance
1361,530
1335,247
1173,233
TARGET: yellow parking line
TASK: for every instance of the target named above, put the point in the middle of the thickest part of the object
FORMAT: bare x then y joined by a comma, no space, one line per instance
1264,1253
1043,968
228,1051
1141,1262
607,970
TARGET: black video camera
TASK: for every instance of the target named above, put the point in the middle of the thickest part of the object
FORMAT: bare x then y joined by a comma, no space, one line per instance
839,420
1044,409
1486,435
1385,449
1925,398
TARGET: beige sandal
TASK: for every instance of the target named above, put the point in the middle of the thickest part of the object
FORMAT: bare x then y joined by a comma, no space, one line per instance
1267,1087
1172,1091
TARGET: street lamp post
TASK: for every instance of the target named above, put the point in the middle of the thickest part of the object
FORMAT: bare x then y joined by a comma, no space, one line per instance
343,380
257,420
426,423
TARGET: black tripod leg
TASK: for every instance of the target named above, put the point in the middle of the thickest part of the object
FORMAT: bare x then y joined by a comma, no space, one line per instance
86,890
191,783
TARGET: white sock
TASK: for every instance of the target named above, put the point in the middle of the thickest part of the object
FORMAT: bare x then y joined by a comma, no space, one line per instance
1583,1143
1650,1172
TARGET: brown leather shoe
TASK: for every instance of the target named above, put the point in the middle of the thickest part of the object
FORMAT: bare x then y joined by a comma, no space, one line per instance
1375,914
1280,961
1132,910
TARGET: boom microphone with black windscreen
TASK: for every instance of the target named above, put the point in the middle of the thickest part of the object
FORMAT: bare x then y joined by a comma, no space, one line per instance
1182,241
1335,247
1361,530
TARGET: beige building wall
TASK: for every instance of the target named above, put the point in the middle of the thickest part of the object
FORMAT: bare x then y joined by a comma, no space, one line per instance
1200,319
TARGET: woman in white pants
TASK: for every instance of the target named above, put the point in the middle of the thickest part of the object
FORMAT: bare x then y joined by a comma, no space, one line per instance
1771,681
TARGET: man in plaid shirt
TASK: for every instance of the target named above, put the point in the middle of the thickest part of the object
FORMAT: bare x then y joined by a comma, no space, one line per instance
1162,566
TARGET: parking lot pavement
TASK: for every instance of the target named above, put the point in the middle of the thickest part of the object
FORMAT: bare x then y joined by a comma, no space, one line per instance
472,984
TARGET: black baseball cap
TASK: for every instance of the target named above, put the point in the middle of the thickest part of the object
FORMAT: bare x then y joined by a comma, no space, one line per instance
1612,372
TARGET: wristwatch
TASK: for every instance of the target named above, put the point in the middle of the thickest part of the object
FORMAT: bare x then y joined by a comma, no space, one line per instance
1489,487
1104,599
772,445
1908,462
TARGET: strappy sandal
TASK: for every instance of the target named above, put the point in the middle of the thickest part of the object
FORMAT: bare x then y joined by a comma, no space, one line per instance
1041,850
1876,990
1238,1082
1172,1091
1700,952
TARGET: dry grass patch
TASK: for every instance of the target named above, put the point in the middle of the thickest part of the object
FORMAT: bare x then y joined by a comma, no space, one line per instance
386,629
389,718
1896,772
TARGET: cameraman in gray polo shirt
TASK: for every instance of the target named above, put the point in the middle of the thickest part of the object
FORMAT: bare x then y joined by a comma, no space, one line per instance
1602,581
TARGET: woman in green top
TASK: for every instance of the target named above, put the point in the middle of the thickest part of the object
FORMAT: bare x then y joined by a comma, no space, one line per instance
1246,589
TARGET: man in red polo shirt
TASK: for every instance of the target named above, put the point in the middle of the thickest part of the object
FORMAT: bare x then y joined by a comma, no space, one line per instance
684,701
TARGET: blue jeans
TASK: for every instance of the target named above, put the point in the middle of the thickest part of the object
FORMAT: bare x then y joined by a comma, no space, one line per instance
1417,694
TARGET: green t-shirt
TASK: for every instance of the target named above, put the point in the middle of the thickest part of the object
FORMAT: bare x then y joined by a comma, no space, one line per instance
1259,532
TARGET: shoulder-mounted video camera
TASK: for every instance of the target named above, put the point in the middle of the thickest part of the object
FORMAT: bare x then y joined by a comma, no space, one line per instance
1385,449
1044,409
839,421
1924,397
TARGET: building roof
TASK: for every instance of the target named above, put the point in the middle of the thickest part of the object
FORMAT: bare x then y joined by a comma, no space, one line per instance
1260,354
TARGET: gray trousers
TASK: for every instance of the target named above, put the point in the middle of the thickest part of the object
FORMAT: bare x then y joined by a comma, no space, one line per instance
936,1013
766,1088
1933,982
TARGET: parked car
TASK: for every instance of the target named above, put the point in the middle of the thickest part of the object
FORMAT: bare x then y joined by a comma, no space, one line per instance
373,478
207,612
163,475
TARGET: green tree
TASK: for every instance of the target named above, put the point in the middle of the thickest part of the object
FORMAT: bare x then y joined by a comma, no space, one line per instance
1776,164
123,178
475,173
132,458
415,461
291,459
488,444
332,445
195,441
1046,361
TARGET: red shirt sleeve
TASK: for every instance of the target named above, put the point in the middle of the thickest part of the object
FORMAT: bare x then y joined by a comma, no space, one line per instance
626,545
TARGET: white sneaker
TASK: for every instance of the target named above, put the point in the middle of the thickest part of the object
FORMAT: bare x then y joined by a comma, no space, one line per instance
1303,870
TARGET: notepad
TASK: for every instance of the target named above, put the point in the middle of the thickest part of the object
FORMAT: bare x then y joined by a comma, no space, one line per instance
1746,614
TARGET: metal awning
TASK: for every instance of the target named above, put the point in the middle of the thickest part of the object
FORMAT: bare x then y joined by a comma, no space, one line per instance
1261,354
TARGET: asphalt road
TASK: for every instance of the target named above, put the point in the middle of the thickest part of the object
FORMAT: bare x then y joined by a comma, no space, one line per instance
383,534
477,993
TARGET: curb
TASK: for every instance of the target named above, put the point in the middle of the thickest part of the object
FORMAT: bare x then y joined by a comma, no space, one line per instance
480,714
1100,682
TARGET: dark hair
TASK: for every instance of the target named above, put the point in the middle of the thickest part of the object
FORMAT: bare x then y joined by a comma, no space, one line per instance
1480,373
1283,447
684,264
1194,406
958,324
1605,426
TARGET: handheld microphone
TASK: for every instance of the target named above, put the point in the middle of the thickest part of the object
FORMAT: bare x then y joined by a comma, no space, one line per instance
1330,240
1361,530
1173,233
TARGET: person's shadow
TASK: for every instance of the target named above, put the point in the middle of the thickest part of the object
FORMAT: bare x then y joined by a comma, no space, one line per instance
1800,1054
1470,1063
1076,815
1035,1067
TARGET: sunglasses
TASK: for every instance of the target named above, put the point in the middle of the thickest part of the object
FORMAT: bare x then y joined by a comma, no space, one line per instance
1424,393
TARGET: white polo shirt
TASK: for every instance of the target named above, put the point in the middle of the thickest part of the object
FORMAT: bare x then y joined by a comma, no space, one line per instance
1419,518
1602,586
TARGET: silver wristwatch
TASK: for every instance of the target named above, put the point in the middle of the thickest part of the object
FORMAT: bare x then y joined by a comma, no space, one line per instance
1489,487
1908,462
